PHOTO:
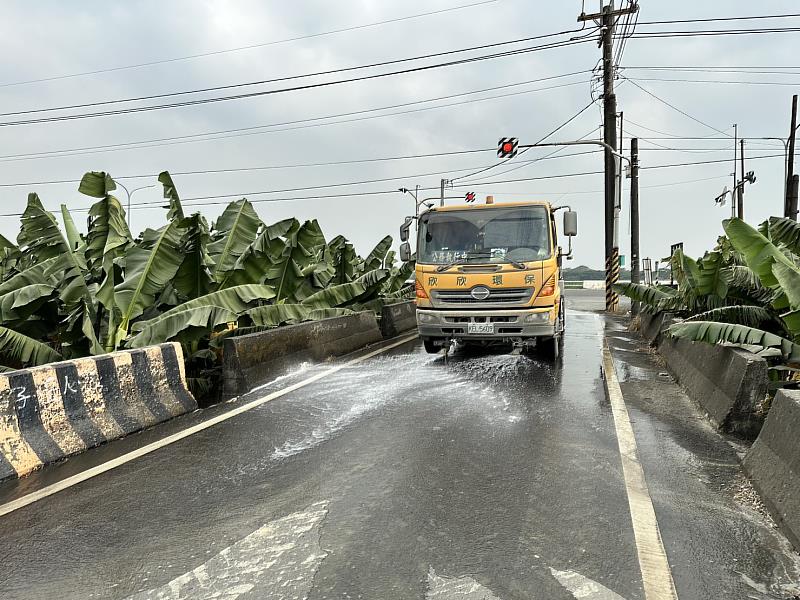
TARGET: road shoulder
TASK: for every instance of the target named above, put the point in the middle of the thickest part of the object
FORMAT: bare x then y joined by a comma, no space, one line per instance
719,541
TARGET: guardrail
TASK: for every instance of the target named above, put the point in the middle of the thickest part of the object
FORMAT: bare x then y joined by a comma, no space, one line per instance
51,412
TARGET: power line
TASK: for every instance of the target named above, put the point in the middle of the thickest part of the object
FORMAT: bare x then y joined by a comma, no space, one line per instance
293,88
248,47
295,125
721,69
278,79
738,82
188,202
750,18
675,108
262,167
548,156
564,124
711,32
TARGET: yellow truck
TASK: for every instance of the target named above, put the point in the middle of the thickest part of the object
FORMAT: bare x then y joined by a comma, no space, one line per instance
490,274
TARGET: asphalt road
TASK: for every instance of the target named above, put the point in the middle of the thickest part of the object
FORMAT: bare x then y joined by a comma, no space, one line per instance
480,476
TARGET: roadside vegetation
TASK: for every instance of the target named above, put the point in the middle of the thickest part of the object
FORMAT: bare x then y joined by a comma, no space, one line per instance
65,295
745,293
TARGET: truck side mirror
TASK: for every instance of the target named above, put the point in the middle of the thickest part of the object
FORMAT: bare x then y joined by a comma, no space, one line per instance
404,229
570,223
405,252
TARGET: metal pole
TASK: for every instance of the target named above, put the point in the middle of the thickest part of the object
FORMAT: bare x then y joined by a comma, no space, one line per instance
790,207
735,166
793,189
610,138
741,190
441,192
635,218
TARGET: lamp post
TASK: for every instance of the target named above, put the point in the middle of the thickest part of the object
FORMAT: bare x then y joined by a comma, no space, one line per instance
129,194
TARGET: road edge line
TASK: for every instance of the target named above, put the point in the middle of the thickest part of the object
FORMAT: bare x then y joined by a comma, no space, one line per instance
73,480
653,563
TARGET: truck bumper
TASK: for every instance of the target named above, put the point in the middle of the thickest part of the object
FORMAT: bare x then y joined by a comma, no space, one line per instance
509,324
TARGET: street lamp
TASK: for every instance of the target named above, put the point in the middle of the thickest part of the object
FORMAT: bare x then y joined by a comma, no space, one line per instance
131,193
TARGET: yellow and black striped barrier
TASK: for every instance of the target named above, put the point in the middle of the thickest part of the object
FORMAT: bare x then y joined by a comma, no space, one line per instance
50,412
612,277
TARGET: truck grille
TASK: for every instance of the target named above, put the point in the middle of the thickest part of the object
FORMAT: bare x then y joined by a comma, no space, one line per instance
504,297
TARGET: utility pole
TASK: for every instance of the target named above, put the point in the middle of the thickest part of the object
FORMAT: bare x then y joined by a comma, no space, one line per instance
441,192
735,166
790,204
741,190
608,17
634,218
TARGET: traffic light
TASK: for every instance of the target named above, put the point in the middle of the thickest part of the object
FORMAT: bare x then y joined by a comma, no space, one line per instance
507,147
469,197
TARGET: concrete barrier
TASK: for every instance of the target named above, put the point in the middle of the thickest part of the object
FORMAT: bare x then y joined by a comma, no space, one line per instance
397,318
250,360
50,412
652,325
773,463
730,384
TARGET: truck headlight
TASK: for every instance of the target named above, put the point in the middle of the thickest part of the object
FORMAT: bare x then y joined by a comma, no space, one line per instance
541,317
425,318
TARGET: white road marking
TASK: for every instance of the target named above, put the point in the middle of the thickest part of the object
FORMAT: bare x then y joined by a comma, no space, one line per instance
583,588
171,439
277,561
456,588
656,573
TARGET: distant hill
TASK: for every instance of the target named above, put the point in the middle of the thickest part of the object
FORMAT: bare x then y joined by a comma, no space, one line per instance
584,273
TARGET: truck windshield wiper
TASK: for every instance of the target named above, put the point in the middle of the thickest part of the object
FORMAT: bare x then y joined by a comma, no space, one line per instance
448,266
477,254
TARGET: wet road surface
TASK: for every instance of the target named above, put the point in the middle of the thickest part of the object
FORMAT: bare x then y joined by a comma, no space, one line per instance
483,476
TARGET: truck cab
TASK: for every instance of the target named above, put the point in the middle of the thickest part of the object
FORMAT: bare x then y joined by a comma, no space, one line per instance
490,274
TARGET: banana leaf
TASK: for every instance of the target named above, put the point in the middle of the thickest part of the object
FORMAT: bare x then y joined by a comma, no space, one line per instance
73,237
299,251
375,258
97,184
175,208
759,254
255,261
235,230
193,278
734,334
649,295
149,266
785,231
27,352
336,295
711,276
750,316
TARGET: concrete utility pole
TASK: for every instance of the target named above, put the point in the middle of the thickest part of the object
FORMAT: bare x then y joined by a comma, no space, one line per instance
735,166
635,218
608,17
790,204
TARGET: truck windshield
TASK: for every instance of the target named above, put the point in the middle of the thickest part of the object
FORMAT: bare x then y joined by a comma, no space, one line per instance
491,235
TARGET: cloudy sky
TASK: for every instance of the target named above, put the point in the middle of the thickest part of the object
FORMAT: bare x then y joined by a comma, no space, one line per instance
67,53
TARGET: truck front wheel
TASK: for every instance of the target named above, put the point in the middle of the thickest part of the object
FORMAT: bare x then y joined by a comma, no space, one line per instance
431,347
549,347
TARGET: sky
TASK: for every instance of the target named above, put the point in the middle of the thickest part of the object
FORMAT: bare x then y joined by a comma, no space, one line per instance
82,52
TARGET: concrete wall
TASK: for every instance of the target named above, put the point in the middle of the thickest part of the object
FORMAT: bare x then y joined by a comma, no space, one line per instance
397,318
50,412
653,325
250,360
728,383
773,463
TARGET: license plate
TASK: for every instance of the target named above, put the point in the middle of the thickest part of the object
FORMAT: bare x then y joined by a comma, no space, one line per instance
481,328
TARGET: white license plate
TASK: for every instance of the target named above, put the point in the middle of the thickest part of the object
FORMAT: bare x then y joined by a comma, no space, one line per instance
480,328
